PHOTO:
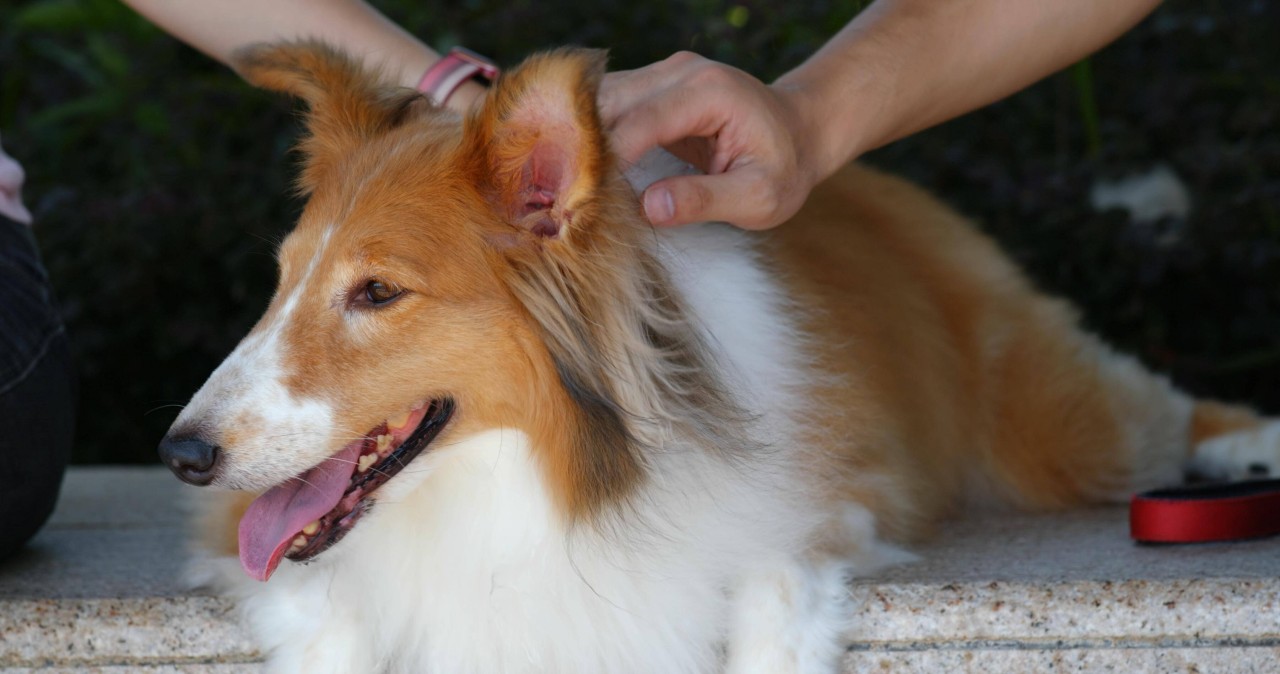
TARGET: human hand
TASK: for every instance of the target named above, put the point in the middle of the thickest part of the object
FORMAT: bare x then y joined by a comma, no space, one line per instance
747,137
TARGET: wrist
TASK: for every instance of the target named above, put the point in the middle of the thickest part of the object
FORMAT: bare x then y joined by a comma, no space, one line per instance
850,91
822,132
845,114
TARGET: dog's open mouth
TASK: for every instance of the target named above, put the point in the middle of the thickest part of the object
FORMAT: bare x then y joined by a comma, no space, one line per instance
308,514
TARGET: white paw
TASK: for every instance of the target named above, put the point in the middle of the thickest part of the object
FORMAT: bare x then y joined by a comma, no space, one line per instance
1243,454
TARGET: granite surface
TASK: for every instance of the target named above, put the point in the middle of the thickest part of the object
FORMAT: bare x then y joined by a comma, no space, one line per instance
140,669
1071,580
116,533
100,590
1068,660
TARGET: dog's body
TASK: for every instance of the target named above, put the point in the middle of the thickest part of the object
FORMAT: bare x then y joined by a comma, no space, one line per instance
671,448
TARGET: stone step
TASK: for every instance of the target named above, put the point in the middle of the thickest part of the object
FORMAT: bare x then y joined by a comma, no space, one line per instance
99,590
1070,593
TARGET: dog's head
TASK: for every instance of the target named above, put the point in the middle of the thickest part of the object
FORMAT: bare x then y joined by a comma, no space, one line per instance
446,276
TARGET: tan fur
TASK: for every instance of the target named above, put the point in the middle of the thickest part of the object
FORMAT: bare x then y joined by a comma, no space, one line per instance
953,370
1211,419
347,105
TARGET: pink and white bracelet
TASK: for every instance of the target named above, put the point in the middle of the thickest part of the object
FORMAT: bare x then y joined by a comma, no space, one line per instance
450,72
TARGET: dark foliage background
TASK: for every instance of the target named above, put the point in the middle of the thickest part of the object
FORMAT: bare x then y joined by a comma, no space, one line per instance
160,182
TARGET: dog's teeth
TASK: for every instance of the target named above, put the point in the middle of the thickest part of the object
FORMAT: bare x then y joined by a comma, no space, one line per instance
366,460
311,529
299,542
384,442
398,422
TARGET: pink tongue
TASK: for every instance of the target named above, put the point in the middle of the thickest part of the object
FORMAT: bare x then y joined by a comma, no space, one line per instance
273,520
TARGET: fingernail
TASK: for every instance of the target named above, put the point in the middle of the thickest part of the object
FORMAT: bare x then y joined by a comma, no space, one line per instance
658,205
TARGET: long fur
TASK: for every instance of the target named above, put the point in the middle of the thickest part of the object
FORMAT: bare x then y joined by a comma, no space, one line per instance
672,448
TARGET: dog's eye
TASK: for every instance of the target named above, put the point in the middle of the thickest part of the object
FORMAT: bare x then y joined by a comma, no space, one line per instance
377,292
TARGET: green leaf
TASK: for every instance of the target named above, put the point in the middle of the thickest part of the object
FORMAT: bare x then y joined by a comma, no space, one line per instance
152,118
54,15
1082,77
105,103
72,60
108,57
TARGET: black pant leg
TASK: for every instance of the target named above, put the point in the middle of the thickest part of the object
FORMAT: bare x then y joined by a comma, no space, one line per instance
37,391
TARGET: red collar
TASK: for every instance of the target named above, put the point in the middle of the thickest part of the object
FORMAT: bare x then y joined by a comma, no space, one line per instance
1220,512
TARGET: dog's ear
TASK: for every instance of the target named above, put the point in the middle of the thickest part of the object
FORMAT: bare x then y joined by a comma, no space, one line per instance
538,144
348,103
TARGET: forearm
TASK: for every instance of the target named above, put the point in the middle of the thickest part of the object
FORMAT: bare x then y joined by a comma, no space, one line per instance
905,65
220,27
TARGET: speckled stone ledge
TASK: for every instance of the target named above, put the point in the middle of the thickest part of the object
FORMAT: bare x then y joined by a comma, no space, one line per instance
141,669
133,631
1069,593
99,590
1165,660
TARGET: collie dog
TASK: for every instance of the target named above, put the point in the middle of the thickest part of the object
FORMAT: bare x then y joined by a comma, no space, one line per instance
492,421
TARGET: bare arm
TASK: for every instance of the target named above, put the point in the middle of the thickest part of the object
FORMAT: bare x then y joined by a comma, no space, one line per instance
905,65
220,27
900,66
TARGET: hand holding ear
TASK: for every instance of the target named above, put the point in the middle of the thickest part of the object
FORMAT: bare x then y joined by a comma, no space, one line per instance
748,138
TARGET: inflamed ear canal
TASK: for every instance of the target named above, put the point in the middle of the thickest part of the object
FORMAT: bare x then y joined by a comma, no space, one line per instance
540,143
543,201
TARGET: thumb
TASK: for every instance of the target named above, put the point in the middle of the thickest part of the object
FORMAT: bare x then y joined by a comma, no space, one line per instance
737,197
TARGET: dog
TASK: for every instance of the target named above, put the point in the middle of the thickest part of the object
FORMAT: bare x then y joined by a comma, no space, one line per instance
491,421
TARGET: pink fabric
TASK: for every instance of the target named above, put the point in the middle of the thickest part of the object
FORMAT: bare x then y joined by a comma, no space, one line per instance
450,72
11,177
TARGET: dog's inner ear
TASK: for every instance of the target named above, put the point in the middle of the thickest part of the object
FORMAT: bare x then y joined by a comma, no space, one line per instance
348,103
539,143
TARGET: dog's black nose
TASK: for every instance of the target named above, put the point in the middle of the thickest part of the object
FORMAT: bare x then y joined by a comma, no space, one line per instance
193,460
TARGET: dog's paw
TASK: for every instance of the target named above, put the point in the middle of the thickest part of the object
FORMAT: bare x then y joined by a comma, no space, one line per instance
1251,453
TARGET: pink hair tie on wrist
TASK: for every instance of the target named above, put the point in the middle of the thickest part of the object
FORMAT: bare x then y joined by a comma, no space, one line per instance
446,75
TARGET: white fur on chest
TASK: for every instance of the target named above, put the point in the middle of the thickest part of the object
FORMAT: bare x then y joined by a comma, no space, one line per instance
472,573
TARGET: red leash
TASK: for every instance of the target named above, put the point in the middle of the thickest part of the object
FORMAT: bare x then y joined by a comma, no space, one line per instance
1197,514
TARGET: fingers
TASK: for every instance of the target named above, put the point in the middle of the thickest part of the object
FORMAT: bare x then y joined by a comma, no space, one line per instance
681,97
663,119
739,131
745,197
624,88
